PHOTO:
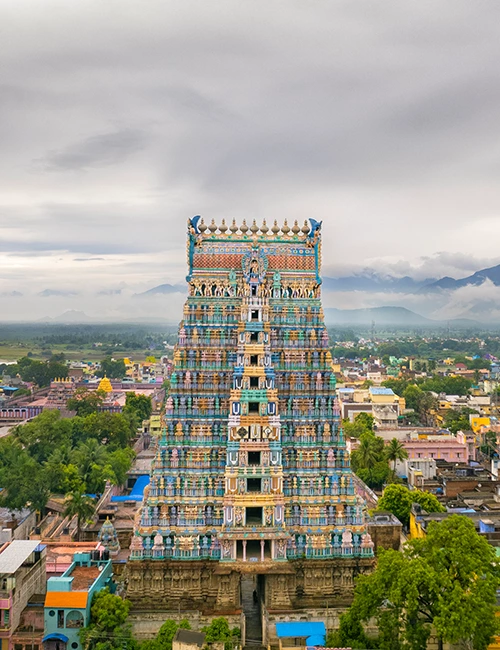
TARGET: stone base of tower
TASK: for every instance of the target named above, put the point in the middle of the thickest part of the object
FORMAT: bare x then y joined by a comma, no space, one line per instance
213,588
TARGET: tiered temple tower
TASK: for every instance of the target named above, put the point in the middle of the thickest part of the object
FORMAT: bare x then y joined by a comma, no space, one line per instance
251,474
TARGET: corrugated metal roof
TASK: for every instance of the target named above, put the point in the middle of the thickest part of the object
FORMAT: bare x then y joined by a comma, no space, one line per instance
16,553
77,599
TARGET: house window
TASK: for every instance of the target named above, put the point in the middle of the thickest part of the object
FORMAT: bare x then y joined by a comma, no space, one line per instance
253,407
6,616
419,455
74,619
254,337
254,382
60,618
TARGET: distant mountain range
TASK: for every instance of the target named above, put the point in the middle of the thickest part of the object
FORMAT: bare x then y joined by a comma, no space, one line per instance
390,316
162,289
477,278
373,282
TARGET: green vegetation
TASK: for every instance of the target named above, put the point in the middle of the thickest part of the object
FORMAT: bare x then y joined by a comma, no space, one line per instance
394,452
219,631
399,500
363,423
83,341
108,628
458,420
81,506
113,369
85,401
138,406
446,581
51,454
40,373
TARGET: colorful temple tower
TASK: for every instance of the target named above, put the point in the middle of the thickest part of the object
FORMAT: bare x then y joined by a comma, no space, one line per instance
251,474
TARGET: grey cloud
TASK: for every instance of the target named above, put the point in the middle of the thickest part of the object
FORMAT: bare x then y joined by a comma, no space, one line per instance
88,259
96,151
10,294
379,118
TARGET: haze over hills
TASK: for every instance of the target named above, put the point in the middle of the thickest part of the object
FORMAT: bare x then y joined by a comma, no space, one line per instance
373,281
477,278
349,298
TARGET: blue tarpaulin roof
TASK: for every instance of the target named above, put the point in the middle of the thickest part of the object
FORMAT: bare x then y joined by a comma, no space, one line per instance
314,632
137,491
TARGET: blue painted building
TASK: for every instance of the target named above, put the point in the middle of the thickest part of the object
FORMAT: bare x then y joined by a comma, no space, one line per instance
69,597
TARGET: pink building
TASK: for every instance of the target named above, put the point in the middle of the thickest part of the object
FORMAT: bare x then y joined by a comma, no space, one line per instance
440,447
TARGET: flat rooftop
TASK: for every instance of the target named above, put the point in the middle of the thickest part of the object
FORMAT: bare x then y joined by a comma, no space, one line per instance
83,577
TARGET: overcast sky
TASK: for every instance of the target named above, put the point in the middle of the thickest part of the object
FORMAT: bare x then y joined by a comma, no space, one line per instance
119,119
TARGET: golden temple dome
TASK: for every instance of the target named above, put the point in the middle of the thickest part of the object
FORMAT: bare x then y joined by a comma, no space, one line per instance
105,385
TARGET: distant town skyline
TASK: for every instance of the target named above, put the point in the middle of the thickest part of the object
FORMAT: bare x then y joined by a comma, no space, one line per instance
119,121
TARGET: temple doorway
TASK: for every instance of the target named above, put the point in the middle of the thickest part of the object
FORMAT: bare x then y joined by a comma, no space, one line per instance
252,596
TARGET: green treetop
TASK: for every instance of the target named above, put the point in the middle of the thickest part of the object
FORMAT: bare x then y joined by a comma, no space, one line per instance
398,499
445,582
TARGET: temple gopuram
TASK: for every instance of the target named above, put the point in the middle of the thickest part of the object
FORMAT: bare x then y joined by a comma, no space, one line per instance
251,477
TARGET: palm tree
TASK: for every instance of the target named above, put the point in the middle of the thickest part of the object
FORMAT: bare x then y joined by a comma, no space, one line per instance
394,452
367,452
79,505
87,455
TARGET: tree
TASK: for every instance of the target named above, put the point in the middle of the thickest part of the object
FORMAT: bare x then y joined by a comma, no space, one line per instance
44,434
369,460
451,385
85,401
139,406
446,581
363,423
114,369
458,419
218,631
413,395
367,452
21,478
40,372
115,430
428,403
394,452
167,632
398,499
108,628
79,505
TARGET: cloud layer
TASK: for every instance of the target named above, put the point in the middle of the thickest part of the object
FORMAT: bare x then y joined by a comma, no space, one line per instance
118,121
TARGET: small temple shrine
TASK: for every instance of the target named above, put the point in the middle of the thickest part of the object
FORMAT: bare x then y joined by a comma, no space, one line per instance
251,475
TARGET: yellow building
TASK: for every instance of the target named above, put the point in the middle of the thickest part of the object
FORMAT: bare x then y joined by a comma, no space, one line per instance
478,421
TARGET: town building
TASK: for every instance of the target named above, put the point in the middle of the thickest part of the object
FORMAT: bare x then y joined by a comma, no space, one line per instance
22,576
251,479
382,403
69,597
